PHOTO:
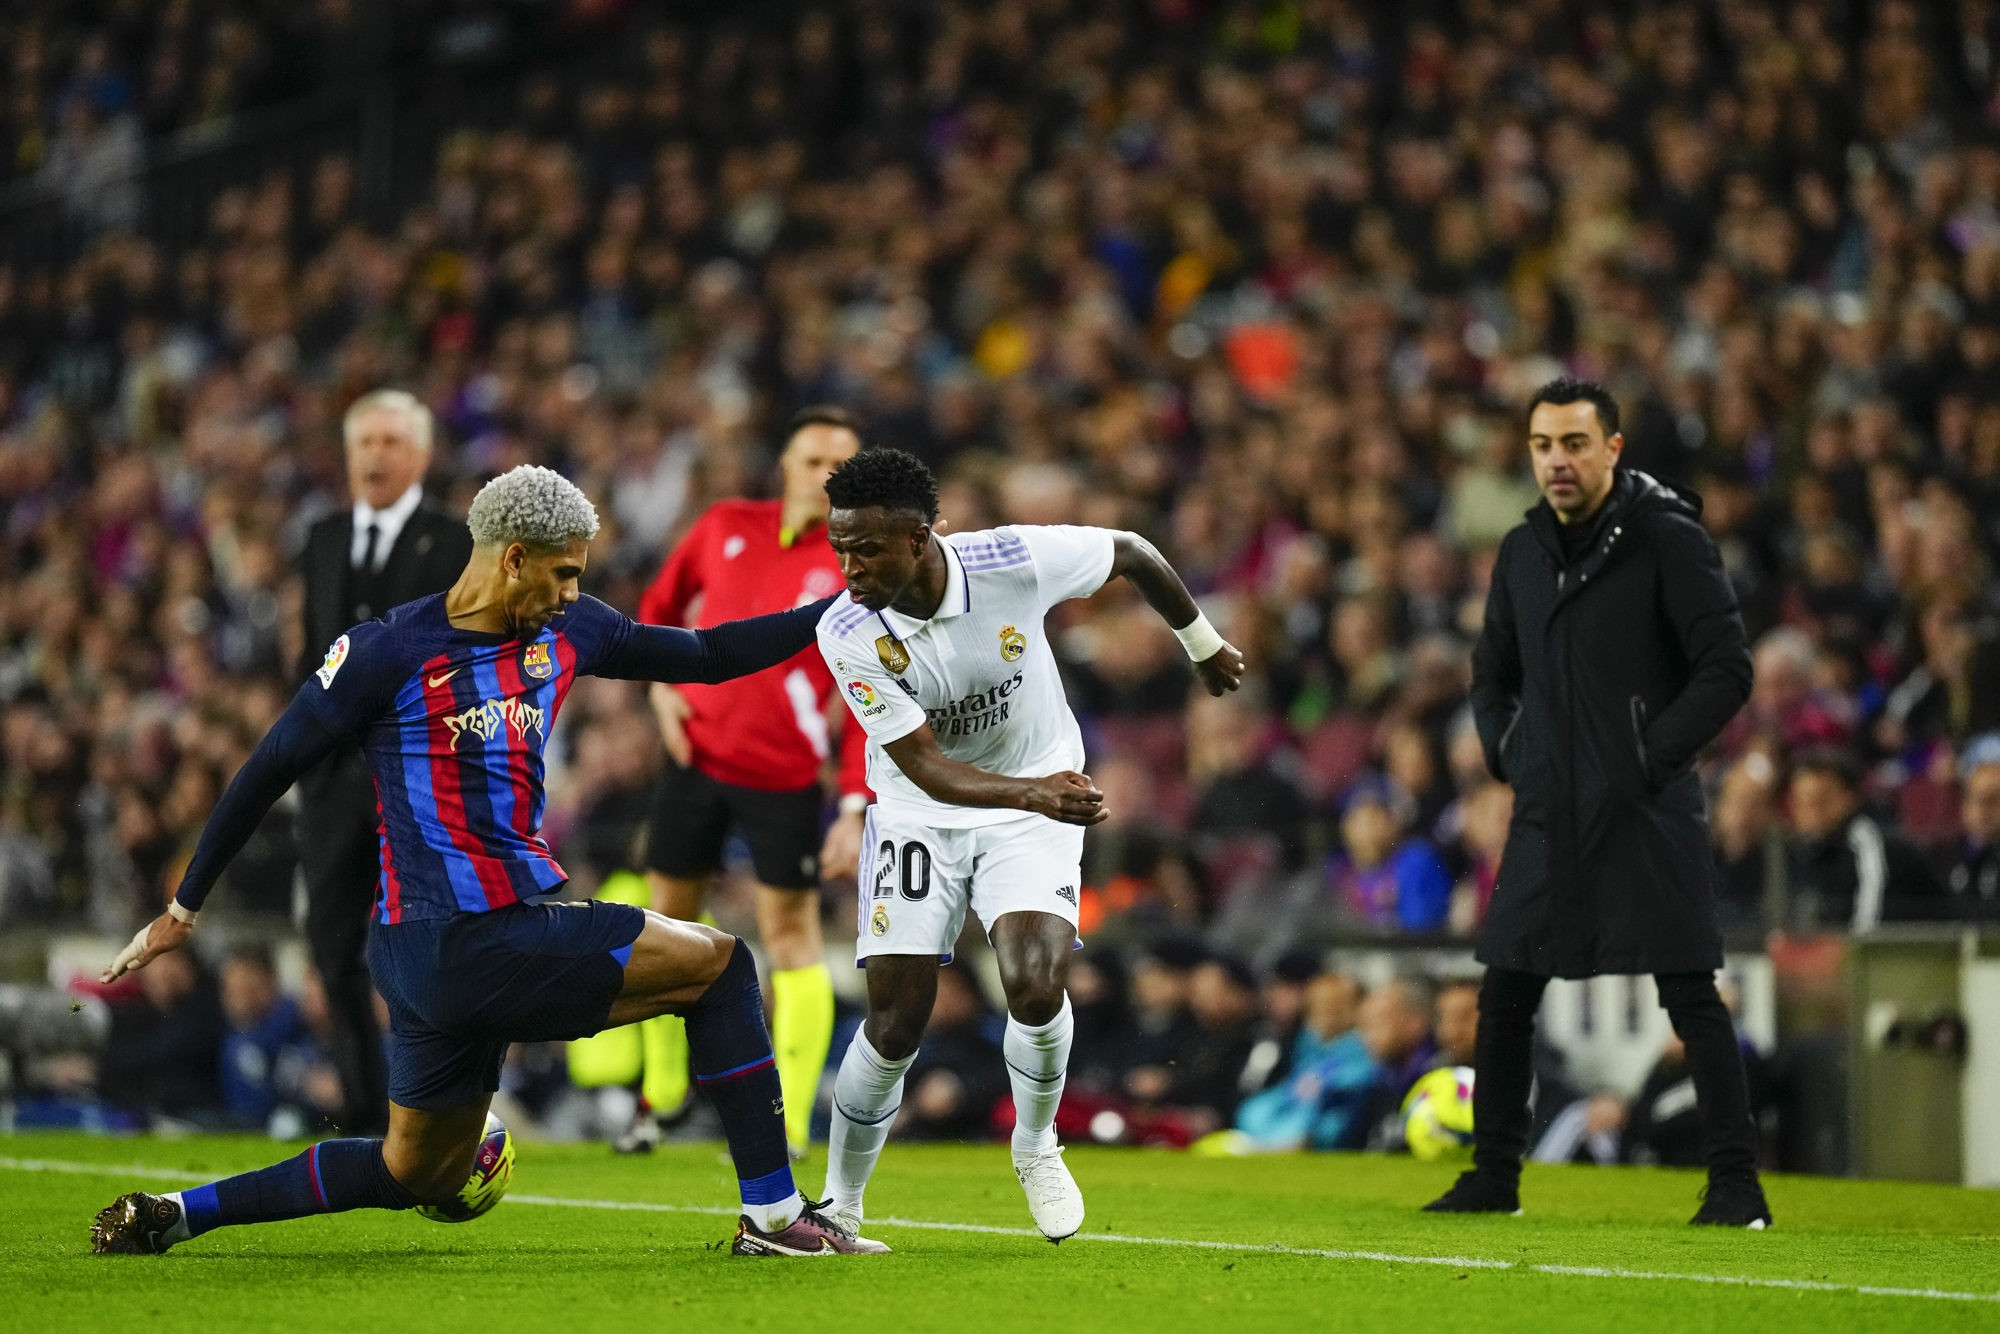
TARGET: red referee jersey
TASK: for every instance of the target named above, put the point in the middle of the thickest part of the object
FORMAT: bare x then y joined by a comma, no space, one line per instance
768,730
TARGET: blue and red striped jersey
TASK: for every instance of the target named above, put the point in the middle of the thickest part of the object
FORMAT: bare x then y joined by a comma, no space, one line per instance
455,724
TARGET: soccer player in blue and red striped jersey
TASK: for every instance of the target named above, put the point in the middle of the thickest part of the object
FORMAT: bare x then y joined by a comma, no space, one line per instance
452,697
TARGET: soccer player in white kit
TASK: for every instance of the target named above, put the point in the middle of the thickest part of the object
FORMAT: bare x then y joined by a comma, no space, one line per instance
973,755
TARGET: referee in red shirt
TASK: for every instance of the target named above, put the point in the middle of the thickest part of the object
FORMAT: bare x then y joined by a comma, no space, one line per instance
746,755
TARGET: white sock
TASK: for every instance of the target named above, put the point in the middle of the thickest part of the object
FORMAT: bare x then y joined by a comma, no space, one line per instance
178,1233
867,1093
775,1217
1037,1067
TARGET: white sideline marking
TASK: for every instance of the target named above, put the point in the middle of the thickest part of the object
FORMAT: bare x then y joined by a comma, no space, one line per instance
1317,1253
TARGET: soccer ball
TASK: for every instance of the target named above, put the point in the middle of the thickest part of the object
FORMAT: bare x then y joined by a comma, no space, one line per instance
1437,1115
492,1173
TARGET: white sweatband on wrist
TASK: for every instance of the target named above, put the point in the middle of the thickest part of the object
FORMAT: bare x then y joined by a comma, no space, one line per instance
1199,638
180,914
854,803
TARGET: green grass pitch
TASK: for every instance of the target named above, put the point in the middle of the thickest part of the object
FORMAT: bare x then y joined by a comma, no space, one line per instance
1171,1242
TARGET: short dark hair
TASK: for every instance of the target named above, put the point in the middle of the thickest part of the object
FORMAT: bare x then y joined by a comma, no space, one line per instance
1233,968
256,955
822,414
1563,390
888,478
1834,763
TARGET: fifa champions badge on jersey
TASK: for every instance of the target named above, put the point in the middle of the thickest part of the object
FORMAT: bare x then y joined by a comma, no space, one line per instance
894,656
878,924
535,661
1012,643
331,667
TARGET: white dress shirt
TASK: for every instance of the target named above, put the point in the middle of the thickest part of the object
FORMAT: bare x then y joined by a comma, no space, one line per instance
388,525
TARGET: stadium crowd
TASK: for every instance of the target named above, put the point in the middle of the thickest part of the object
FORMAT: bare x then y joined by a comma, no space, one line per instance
1266,282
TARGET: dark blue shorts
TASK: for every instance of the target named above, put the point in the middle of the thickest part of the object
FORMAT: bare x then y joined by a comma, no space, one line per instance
460,990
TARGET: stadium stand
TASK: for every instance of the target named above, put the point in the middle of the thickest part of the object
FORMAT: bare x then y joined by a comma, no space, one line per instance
1267,282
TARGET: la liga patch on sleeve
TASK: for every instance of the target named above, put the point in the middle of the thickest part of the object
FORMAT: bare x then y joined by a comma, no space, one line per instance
865,699
334,657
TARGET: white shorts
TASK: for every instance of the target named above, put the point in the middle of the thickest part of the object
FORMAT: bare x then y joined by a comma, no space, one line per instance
917,881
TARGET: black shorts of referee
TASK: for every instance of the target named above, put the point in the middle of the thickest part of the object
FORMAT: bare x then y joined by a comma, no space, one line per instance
693,815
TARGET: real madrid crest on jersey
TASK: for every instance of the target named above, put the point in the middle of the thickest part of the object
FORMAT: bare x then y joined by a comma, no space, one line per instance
894,656
1012,643
878,922
535,662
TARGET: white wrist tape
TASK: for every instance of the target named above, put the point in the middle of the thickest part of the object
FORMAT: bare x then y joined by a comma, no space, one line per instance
1199,638
853,804
142,941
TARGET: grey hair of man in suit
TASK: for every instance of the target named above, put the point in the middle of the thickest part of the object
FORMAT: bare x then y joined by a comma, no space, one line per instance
388,437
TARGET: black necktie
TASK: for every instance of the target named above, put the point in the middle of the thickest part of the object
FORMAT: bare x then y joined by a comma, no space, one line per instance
364,576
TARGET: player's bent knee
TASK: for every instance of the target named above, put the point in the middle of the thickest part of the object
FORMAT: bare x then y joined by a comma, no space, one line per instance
1036,1003
894,1037
1034,985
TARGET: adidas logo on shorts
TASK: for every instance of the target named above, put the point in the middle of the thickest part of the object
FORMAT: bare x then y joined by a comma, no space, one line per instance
1067,894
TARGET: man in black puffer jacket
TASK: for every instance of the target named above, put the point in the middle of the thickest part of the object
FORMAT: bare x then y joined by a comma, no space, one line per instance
1612,652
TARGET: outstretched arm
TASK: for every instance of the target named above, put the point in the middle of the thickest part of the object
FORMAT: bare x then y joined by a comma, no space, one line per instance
720,653
1068,797
1216,661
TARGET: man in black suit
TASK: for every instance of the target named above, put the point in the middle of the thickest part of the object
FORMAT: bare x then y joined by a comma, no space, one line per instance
392,547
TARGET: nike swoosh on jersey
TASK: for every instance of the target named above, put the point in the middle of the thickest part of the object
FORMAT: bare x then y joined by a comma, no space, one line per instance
442,677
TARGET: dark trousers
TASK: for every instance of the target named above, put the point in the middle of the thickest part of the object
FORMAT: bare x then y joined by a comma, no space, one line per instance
1503,1061
340,855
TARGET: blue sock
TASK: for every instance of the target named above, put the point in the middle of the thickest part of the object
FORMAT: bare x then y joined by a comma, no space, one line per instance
331,1177
734,1066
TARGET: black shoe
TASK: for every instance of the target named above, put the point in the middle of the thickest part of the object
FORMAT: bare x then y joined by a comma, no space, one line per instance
1733,1201
135,1224
1477,1193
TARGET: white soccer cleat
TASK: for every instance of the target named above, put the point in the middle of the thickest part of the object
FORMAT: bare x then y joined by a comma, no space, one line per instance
1053,1197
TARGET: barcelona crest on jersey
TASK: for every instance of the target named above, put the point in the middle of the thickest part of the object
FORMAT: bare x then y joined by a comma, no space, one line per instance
536,662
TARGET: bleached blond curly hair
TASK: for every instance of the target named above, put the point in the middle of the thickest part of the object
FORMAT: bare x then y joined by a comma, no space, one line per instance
535,506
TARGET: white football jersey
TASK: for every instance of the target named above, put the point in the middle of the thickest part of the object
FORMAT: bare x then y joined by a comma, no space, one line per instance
979,670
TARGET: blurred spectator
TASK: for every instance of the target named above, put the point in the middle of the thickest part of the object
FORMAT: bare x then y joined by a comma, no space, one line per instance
958,1080
270,1058
1282,1003
1750,844
1395,1026
1162,1027
1970,866
1101,1001
1381,878
1846,870
1456,1021
165,1047
1483,817
1320,1104
1204,1077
